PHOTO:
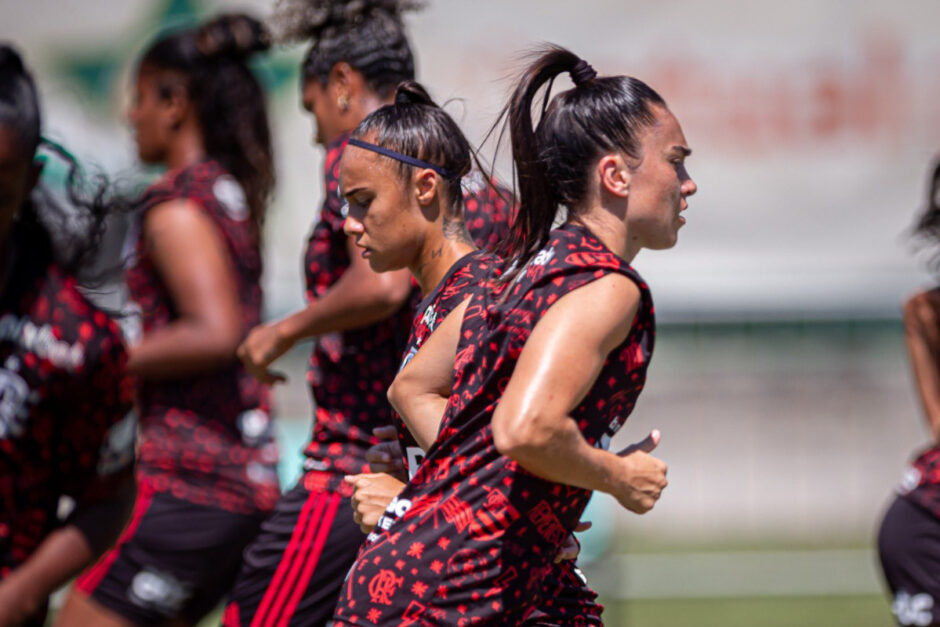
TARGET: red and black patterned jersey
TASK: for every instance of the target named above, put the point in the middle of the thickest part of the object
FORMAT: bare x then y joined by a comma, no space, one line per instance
487,210
471,539
458,284
207,438
921,481
66,420
350,371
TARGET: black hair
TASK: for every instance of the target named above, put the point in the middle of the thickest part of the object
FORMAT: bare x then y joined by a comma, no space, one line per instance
927,227
89,204
228,100
553,159
369,35
415,126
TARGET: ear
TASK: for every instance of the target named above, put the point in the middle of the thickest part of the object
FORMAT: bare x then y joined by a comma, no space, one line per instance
614,175
342,78
427,186
176,105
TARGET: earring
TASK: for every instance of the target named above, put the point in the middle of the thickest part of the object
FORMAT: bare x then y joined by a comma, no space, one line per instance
343,103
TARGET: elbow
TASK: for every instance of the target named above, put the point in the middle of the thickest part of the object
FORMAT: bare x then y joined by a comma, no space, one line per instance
221,341
393,291
396,395
518,435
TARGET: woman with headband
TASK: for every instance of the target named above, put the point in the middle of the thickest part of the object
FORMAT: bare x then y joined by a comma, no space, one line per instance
523,439
207,469
359,53
66,425
404,208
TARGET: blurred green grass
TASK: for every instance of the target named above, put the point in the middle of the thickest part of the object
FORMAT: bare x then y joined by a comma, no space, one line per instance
853,611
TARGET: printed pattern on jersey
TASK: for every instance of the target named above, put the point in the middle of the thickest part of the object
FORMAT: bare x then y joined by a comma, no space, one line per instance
921,481
66,420
459,282
350,371
207,438
472,538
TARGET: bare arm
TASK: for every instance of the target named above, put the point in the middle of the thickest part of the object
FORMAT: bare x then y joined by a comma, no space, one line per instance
922,335
359,298
62,555
420,391
532,424
190,256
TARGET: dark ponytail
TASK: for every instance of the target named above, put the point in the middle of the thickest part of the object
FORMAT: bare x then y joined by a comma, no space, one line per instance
927,228
416,127
553,158
77,219
369,35
228,100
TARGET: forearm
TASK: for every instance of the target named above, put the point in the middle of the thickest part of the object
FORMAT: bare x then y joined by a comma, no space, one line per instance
560,453
62,555
922,335
181,348
353,302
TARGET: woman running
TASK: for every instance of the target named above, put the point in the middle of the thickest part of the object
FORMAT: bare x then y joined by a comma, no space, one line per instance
909,538
523,440
66,425
207,468
360,318
401,179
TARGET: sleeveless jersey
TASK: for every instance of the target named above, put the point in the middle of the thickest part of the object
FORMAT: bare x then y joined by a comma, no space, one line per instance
207,437
458,284
921,482
350,371
472,538
66,420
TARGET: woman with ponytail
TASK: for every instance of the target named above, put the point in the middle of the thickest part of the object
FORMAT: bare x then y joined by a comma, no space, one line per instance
523,439
358,54
401,179
207,463
909,536
66,425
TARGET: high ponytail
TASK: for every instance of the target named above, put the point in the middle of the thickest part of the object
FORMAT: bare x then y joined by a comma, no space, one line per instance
369,35
228,100
552,158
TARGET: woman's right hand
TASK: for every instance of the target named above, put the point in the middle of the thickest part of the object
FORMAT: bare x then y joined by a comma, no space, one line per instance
644,476
372,494
263,345
386,456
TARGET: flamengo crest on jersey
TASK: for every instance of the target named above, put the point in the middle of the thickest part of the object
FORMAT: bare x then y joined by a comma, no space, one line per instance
480,534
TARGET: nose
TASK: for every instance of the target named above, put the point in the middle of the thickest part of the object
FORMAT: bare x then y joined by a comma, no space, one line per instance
352,226
688,185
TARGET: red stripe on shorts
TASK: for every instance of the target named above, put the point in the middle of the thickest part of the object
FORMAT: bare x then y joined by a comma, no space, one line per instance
323,532
292,554
89,580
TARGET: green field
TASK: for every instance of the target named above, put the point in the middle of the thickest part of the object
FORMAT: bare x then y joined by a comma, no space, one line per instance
854,611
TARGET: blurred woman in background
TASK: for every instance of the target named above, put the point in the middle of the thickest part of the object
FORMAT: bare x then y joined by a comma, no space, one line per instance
909,537
207,467
358,54
66,425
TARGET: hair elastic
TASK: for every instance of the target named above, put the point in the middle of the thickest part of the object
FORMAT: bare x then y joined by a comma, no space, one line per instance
418,163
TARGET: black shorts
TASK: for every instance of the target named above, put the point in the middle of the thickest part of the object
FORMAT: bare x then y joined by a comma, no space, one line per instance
294,569
909,548
175,559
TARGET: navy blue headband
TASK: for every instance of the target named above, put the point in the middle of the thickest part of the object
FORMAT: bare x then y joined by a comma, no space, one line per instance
418,163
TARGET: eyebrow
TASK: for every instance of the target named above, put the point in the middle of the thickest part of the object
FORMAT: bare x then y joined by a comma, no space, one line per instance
685,151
